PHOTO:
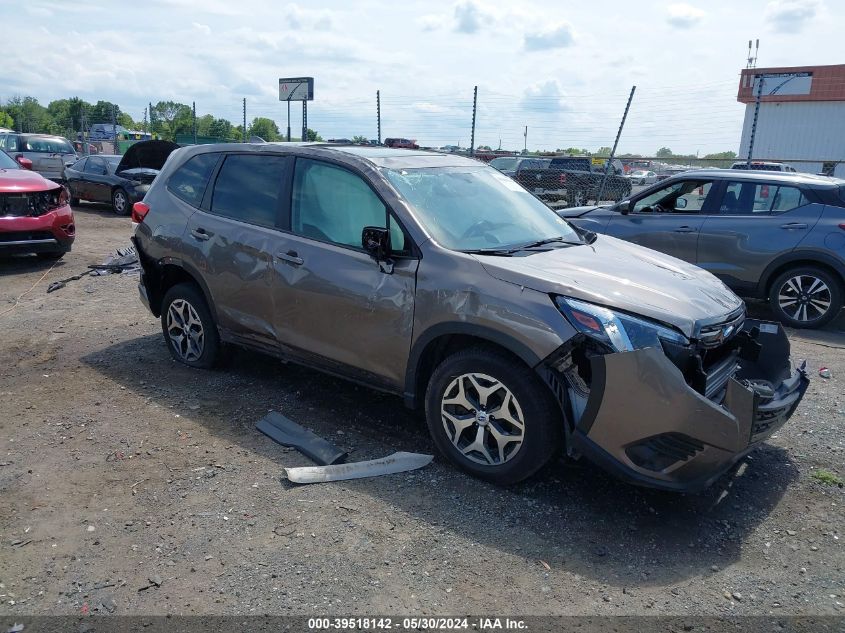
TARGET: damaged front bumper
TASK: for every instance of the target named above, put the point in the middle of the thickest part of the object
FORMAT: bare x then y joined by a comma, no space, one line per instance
644,423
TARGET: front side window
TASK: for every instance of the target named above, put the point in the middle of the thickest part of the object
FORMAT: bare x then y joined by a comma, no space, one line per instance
95,166
12,144
79,165
476,208
189,181
748,198
682,196
503,163
7,162
248,188
331,204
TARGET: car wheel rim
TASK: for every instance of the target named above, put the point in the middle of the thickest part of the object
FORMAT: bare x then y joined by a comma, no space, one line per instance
804,298
119,202
184,329
482,419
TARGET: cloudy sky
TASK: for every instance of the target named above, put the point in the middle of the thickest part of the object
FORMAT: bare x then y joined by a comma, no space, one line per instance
564,68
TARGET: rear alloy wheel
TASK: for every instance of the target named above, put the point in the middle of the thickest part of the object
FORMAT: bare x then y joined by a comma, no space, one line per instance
806,297
120,202
491,416
188,327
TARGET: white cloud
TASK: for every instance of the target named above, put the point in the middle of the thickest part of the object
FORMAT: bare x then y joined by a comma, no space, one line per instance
684,16
471,17
559,36
202,28
546,96
790,16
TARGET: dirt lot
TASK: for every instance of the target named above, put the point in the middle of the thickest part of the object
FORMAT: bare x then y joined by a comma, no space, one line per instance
118,465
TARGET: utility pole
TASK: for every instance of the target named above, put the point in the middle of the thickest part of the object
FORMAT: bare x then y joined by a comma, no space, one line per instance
609,163
472,135
114,127
525,147
194,113
760,80
378,115
152,120
243,138
145,120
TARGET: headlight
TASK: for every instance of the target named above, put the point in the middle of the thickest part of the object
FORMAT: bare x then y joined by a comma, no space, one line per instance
622,332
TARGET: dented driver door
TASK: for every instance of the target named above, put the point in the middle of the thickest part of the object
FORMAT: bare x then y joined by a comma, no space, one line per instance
335,303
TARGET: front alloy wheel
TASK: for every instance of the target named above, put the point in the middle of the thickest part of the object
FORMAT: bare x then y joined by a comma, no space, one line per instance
482,419
489,413
120,203
185,331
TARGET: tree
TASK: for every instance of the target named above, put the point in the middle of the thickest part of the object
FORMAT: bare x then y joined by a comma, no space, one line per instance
126,121
603,151
265,128
313,136
28,114
359,139
664,152
222,129
572,150
170,118
722,155
6,120
67,114
103,112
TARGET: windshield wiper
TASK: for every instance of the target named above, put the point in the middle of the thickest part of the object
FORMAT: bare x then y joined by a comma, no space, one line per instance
502,252
549,240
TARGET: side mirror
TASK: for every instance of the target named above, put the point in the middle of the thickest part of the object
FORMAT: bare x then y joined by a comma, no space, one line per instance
681,203
23,161
376,241
624,207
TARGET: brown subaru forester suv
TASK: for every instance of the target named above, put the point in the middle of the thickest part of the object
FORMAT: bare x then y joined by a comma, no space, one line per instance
438,279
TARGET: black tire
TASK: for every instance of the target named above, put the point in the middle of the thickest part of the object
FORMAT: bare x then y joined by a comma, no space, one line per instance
188,351
74,202
541,416
51,255
120,202
787,285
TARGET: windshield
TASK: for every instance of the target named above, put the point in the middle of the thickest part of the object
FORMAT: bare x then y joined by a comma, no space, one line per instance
47,145
476,208
7,162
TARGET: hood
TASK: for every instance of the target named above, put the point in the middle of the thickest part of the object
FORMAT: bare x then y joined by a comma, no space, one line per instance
141,174
24,181
149,154
621,275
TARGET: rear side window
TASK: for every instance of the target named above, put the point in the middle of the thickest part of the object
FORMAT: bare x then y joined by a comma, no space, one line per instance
12,143
248,188
189,181
748,198
47,145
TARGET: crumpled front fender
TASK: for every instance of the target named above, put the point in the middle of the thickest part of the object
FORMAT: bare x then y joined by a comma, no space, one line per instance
646,424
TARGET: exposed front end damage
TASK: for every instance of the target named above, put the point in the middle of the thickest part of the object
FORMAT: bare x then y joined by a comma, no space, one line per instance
677,417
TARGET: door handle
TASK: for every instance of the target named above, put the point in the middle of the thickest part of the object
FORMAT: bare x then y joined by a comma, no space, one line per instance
685,229
793,225
201,234
291,257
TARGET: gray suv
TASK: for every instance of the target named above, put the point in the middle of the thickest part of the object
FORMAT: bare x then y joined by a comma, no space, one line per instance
438,279
49,154
775,236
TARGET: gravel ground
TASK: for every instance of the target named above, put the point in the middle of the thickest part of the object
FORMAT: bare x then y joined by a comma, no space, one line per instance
130,484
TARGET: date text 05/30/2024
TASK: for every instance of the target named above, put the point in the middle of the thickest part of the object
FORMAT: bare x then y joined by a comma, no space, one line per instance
415,624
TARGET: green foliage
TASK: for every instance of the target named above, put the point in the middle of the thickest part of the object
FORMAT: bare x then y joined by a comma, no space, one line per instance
6,120
313,136
663,152
576,150
170,118
827,478
359,139
264,128
602,151
722,155
29,115
103,112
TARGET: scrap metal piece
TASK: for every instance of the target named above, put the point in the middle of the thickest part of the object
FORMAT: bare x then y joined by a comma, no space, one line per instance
396,463
288,433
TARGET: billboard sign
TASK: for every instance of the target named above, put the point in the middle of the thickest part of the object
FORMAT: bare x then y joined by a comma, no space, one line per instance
296,89
784,84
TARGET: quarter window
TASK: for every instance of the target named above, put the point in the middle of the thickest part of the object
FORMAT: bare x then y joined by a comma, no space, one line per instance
248,188
748,198
331,204
189,181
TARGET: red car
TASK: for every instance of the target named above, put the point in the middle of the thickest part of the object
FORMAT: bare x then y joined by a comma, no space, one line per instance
35,216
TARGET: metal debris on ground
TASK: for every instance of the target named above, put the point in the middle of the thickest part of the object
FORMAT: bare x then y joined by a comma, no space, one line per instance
395,463
122,260
824,372
288,433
